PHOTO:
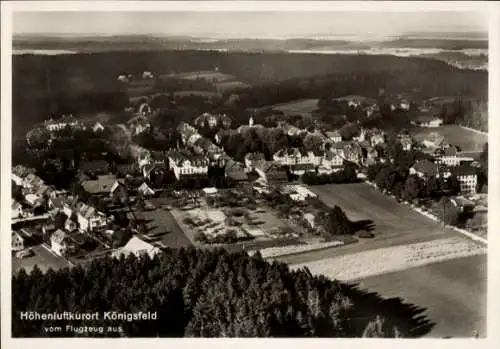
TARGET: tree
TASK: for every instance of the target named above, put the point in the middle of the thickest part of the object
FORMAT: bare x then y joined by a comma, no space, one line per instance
312,142
349,130
374,329
413,188
448,212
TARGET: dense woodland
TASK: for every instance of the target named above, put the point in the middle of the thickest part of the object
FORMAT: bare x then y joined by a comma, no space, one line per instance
211,294
85,83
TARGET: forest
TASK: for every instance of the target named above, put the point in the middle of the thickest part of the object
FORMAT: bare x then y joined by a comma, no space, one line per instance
201,293
86,83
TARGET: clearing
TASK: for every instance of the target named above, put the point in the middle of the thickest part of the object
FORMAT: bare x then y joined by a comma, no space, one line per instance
468,140
302,107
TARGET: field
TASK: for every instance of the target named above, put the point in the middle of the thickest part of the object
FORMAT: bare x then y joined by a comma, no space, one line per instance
230,85
163,229
392,220
222,82
43,258
467,140
395,224
454,292
212,76
195,93
301,107
356,266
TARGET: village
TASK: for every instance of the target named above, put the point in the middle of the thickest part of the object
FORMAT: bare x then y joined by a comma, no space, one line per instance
193,192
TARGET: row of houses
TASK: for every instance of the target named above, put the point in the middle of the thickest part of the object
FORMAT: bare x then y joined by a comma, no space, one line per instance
66,121
464,172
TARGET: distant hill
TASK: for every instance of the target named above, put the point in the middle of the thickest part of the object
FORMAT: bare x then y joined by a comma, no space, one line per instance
149,42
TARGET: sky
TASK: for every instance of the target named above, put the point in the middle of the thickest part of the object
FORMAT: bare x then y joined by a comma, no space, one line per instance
247,24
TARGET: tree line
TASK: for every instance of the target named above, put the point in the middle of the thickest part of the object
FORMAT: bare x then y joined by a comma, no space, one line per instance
201,293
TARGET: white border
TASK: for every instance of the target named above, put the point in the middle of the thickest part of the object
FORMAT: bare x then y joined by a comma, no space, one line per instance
492,8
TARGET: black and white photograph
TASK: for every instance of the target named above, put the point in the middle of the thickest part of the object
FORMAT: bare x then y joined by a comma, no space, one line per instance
264,172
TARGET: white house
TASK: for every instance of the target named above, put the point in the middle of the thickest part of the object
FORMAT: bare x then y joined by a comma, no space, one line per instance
295,156
17,210
449,157
334,136
17,241
147,75
70,225
98,127
428,121
185,164
89,218
34,200
59,242
467,177
145,190
137,247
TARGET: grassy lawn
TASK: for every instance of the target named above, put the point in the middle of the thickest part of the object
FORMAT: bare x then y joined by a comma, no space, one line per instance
209,75
43,258
300,107
163,228
195,93
454,293
392,220
230,85
454,134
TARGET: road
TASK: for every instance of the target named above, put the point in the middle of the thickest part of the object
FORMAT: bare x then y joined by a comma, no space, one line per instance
28,219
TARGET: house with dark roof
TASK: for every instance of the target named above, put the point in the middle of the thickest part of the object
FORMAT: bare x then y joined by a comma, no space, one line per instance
235,171
301,169
448,156
334,136
222,134
425,169
275,173
255,160
103,185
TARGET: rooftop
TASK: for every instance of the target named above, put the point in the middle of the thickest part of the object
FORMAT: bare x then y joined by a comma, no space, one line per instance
137,246
102,184
428,168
